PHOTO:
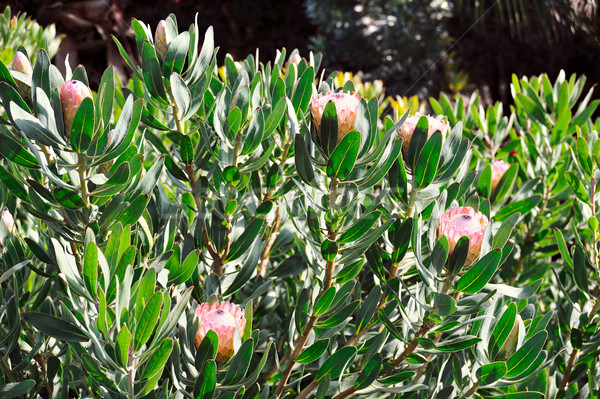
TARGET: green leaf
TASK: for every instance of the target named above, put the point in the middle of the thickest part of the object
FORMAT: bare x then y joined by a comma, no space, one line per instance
15,152
90,269
458,344
342,159
324,302
459,254
303,162
562,247
303,92
502,329
338,317
206,382
367,310
577,187
369,373
274,117
122,346
157,362
397,378
329,128
147,321
182,273
176,53
336,363
242,277
152,74
560,127
580,272
428,160
517,293
234,121
68,198
523,207
526,354
444,304
417,141
82,129
207,350
13,185
582,152
313,352
131,214
56,328
115,183
480,274
505,185
16,389
91,366
518,395
329,250
105,96
241,245
490,373
503,233
484,184
240,363
358,229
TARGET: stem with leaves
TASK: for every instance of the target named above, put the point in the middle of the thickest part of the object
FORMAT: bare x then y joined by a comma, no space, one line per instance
331,235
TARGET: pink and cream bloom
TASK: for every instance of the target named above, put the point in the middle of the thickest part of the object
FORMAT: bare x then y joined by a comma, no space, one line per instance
160,40
226,319
498,169
295,59
72,94
20,63
459,221
408,127
346,106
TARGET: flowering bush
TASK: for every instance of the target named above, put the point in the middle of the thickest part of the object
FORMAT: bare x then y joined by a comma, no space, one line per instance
246,234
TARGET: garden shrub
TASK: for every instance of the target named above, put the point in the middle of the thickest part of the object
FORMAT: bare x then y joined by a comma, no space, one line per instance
260,231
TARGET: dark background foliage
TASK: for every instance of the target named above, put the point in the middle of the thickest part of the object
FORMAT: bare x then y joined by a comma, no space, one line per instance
402,42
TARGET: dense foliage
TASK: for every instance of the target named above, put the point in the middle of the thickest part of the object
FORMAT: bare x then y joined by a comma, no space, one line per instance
255,231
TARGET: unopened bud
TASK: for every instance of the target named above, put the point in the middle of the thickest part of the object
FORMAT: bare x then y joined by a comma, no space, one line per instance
160,40
72,94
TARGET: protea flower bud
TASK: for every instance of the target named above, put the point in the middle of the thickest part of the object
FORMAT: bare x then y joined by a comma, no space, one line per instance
225,319
295,59
21,64
72,94
409,125
160,40
346,106
459,221
498,169
8,220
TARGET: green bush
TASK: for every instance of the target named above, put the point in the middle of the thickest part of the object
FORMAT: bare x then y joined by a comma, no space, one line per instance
254,234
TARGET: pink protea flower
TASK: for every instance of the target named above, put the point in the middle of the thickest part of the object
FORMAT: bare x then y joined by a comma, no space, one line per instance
21,64
498,169
160,40
223,318
346,106
459,221
72,94
409,125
